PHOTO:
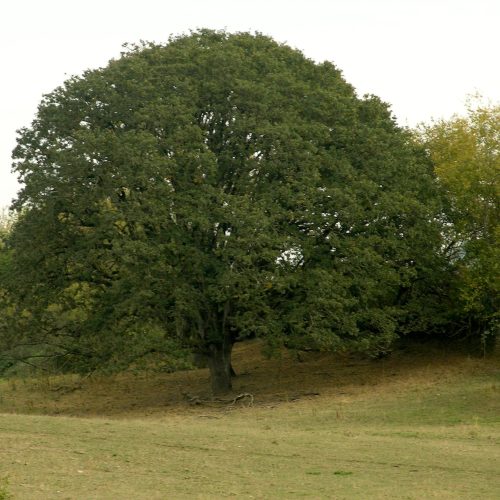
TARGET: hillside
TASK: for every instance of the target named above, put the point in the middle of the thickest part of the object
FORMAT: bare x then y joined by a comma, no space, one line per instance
415,425
323,377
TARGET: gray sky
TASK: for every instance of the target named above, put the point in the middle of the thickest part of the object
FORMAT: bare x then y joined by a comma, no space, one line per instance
421,56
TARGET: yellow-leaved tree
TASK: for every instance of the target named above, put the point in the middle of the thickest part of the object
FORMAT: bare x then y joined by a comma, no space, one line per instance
465,151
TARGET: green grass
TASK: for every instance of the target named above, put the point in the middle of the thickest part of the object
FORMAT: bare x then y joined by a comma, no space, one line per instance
393,448
4,490
428,432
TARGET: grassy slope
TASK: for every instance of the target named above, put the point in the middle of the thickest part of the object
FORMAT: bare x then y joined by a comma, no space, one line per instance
414,426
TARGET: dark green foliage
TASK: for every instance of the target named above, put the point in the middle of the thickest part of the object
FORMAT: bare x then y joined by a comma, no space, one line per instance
218,187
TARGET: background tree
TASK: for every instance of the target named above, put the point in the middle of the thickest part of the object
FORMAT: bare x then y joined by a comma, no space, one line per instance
465,151
221,186
7,305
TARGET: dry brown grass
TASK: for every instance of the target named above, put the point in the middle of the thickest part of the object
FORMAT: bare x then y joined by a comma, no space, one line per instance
272,381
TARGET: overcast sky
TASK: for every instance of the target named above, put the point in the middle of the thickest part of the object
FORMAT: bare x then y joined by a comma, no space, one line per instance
421,56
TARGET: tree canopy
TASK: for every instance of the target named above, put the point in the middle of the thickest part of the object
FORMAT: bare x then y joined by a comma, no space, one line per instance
465,153
220,186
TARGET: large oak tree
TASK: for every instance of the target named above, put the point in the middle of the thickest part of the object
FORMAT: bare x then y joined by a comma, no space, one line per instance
221,186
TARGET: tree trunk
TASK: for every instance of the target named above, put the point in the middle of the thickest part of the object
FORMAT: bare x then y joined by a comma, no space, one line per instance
219,363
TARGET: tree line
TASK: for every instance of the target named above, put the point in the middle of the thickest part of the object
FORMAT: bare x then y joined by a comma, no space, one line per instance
223,186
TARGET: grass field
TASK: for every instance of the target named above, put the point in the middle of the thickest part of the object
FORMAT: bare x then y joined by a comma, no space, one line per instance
414,426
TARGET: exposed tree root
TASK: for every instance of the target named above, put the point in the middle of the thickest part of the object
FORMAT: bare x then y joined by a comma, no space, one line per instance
218,402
